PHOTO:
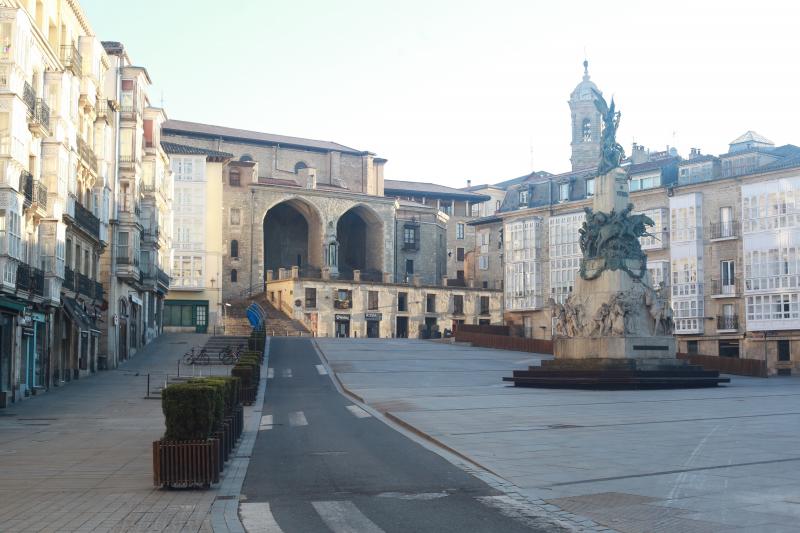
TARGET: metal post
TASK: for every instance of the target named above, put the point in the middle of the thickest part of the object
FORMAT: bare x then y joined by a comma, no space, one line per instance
252,222
148,385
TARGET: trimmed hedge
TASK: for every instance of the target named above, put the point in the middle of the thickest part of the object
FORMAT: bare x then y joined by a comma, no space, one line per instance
191,410
245,373
230,389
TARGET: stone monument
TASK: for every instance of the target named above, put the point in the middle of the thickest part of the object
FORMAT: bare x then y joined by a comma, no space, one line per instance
615,329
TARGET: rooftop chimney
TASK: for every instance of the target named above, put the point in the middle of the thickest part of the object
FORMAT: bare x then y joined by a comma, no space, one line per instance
469,184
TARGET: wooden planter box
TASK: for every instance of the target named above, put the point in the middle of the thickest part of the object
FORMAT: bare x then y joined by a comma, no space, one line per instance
247,394
188,463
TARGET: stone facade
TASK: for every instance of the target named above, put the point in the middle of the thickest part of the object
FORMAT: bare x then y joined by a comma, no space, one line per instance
371,309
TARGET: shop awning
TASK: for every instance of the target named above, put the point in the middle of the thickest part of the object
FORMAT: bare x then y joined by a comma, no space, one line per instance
12,305
78,315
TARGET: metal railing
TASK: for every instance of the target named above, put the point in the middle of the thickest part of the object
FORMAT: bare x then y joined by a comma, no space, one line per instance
39,113
29,97
26,186
69,279
23,277
98,290
410,246
85,285
37,281
725,230
71,59
729,288
127,260
101,107
728,322
87,220
163,277
40,194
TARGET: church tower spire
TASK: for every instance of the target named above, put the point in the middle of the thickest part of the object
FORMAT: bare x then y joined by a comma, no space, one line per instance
586,123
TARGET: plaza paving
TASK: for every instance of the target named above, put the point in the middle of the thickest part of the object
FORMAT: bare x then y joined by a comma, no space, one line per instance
708,460
79,458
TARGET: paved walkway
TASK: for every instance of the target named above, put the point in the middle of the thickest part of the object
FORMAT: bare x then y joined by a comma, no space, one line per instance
79,458
707,460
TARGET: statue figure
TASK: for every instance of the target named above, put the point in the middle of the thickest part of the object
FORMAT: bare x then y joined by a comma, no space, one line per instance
558,312
611,152
618,312
574,314
601,324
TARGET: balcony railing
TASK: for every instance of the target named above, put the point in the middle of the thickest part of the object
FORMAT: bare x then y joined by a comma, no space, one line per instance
40,194
29,97
101,107
727,322
37,281
69,279
23,277
725,230
342,304
127,260
163,278
71,58
150,234
98,291
85,285
87,154
87,220
39,115
728,288
26,186
410,246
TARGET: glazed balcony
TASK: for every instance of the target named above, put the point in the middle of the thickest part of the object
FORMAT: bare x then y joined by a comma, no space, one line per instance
71,59
128,268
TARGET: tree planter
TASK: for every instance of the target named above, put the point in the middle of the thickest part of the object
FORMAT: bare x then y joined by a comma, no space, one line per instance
193,463
247,394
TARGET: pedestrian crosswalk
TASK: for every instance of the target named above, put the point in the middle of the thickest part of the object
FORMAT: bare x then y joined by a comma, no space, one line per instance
270,373
297,418
286,373
321,370
344,516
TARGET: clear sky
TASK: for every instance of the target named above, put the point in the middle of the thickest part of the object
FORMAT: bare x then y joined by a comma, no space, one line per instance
455,90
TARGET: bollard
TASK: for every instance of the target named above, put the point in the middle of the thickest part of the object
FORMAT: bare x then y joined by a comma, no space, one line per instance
148,385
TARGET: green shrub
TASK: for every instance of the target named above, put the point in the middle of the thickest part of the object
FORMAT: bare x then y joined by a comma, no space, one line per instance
245,373
189,411
229,389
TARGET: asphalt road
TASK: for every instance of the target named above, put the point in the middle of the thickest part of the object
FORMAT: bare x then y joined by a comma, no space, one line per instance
322,464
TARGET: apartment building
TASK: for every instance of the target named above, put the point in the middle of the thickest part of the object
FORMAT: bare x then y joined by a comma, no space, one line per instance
59,126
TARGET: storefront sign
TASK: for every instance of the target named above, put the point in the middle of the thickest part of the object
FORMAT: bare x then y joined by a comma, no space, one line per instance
342,318
37,317
135,299
373,316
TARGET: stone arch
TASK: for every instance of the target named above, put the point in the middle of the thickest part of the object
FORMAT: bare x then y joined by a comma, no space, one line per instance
360,233
292,230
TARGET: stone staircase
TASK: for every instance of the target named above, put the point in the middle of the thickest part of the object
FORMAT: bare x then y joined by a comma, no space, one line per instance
278,324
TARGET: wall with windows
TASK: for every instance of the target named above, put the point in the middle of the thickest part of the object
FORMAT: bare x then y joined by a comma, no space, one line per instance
565,253
686,256
523,264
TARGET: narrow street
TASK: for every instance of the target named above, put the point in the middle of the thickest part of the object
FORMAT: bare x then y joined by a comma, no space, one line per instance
322,464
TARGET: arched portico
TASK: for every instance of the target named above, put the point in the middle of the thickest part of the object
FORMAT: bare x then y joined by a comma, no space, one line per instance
360,236
293,236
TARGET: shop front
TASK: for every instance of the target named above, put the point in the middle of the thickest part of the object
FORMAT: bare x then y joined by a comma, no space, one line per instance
373,324
10,312
342,325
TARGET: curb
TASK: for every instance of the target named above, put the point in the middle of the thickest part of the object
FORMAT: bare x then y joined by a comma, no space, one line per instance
224,512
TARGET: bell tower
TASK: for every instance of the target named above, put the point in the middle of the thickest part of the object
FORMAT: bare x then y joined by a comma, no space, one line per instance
586,123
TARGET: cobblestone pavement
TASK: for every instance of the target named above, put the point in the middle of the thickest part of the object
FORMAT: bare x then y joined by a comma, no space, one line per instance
709,460
79,458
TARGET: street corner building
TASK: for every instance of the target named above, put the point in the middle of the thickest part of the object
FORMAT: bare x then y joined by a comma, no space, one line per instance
85,201
313,227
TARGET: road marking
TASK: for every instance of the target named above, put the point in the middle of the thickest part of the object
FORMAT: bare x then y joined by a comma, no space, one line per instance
344,517
257,518
266,423
409,496
270,373
321,370
287,372
358,412
523,512
297,418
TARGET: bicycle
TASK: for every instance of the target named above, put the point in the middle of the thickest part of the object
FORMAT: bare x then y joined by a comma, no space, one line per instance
201,357
231,356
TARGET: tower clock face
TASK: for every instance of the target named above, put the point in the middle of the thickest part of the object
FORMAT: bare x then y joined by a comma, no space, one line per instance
586,94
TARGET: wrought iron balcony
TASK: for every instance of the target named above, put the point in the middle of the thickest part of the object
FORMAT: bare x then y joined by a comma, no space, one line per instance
87,220
39,117
98,291
127,260
85,285
69,279
37,281
342,304
163,278
150,234
71,59
87,154
29,97
40,194
23,277
725,230
729,288
26,186
728,322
